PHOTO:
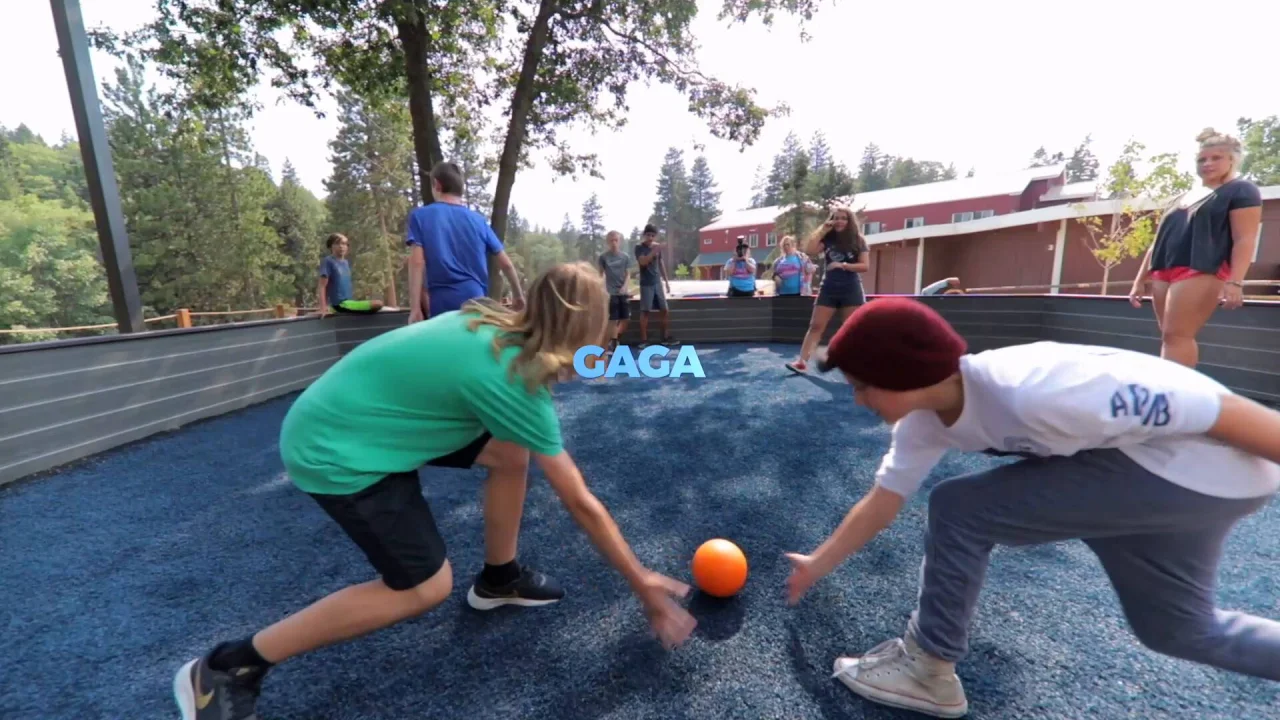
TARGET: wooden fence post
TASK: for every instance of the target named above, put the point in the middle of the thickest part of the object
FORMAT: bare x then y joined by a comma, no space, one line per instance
184,318
279,310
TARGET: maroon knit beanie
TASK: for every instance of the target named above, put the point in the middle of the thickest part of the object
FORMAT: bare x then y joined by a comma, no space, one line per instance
895,343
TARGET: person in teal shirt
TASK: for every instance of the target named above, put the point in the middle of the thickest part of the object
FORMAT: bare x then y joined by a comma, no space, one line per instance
741,271
790,268
470,387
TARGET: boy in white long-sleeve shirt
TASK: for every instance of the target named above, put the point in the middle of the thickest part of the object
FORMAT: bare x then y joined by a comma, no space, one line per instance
1148,462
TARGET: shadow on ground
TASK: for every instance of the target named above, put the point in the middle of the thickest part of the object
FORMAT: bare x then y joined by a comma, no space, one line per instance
121,568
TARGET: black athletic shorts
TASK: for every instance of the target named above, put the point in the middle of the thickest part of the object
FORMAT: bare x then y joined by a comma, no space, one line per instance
391,522
843,298
619,307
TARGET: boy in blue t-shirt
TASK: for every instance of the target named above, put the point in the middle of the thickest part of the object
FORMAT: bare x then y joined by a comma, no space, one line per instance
449,249
333,292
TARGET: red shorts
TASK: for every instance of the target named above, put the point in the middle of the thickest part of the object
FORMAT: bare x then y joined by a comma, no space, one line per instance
1175,274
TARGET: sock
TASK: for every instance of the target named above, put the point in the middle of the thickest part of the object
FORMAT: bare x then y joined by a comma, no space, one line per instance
498,575
239,653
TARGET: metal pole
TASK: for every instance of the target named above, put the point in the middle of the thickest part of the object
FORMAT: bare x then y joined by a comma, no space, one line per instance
100,174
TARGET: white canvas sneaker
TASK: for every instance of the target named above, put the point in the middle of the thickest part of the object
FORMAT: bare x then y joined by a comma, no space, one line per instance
899,674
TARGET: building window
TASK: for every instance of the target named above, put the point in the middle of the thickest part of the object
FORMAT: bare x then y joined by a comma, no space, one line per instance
983,214
753,240
961,217
871,228
706,241
914,222
771,239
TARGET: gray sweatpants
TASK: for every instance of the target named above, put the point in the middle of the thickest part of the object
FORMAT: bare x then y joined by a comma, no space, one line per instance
1158,542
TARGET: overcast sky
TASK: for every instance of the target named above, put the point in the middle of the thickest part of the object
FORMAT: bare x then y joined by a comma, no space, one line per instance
980,83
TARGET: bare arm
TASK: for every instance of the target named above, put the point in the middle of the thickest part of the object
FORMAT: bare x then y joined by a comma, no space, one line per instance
1248,426
863,264
322,293
590,514
417,270
1244,233
813,244
872,514
509,272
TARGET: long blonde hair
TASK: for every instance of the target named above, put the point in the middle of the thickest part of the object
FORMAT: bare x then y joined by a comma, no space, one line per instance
566,307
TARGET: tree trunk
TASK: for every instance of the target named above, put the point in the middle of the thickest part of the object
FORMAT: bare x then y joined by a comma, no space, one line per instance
521,104
1106,277
426,135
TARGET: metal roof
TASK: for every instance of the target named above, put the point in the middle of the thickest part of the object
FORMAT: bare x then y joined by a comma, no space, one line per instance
1087,190
953,190
981,186
712,258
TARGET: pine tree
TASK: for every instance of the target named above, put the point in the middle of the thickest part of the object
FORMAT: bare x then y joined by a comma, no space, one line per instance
671,208
1083,165
783,171
873,171
370,189
591,239
1042,158
704,198
477,171
297,216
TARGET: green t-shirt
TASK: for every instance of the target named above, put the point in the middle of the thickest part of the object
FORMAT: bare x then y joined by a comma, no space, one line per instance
407,397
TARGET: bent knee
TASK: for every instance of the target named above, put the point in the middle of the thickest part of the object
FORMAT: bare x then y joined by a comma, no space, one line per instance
1177,638
433,591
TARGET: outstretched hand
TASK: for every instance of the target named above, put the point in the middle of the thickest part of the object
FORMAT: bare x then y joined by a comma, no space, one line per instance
670,622
803,576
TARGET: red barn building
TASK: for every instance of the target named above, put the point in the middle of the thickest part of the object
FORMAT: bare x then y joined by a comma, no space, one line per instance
939,203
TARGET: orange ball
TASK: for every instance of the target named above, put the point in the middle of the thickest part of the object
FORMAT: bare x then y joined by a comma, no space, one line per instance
719,568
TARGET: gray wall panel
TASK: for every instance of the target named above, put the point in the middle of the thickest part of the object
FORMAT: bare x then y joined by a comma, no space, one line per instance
60,402
243,355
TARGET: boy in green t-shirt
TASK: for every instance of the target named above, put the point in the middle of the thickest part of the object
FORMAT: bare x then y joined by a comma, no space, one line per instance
462,389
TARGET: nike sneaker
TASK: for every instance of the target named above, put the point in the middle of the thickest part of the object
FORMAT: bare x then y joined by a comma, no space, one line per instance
531,589
203,693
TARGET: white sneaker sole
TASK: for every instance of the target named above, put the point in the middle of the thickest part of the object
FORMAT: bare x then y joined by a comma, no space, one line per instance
182,692
884,697
480,603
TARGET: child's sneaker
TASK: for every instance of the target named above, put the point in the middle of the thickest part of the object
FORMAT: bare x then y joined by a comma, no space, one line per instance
899,674
531,589
799,367
203,693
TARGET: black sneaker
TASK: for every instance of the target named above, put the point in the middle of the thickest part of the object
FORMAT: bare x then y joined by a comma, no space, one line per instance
203,693
531,589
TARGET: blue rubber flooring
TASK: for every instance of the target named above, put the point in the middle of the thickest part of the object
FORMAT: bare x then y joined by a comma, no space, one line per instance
119,569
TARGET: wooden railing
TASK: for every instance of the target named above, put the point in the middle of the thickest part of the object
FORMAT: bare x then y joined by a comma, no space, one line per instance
182,318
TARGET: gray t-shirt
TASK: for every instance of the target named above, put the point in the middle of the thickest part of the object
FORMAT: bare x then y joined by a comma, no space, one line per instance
614,265
648,273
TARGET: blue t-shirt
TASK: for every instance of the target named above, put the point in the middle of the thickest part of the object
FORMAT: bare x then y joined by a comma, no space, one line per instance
742,274
790,272
338,271
457,242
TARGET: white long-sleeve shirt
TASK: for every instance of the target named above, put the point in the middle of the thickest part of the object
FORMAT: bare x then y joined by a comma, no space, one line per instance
1051,398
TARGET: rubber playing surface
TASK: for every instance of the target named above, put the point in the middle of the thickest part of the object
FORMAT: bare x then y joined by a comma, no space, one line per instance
115,571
